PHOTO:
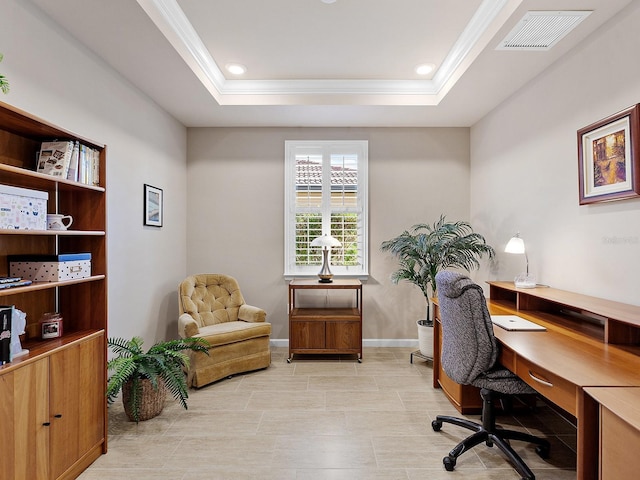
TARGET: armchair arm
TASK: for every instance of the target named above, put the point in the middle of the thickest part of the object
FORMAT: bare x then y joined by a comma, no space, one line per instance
187,326
247,313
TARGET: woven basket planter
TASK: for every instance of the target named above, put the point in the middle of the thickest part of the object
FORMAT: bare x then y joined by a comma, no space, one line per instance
152,400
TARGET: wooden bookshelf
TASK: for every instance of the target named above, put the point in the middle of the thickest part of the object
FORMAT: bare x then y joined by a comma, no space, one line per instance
64,379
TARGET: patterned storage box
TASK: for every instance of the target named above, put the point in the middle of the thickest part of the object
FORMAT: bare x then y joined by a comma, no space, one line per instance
50,268
23,209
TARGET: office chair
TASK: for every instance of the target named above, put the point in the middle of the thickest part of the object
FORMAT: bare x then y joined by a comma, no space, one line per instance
469,355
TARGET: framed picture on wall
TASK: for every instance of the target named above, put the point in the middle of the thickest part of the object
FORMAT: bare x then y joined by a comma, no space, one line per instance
608,164
152,206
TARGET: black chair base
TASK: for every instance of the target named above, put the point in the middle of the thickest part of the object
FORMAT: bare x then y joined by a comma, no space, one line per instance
488,433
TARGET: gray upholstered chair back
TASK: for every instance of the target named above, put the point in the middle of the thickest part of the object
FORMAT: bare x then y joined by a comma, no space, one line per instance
469,347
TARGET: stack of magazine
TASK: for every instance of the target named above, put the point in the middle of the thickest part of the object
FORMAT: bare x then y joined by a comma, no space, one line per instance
8,282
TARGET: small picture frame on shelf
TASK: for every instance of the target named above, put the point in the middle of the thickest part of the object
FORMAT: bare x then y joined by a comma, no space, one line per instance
608,158
152,206
51,325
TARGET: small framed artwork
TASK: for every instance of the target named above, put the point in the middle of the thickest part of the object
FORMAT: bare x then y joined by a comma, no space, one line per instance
152,206
608,161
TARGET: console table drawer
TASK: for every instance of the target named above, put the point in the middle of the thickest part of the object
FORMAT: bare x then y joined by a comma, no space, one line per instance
558,390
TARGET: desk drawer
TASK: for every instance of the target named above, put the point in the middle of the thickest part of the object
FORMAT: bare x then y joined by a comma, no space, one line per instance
559,391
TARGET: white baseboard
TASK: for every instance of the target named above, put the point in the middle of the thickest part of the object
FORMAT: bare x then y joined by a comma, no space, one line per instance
366,342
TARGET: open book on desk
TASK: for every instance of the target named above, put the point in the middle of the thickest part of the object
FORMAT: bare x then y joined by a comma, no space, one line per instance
514,322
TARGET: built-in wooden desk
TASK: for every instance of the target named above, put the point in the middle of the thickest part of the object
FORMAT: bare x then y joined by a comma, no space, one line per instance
588,343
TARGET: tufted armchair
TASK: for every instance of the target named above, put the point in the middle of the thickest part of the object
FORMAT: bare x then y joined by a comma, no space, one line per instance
212,307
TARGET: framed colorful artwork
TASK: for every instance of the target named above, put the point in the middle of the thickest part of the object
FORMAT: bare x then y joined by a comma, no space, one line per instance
608,163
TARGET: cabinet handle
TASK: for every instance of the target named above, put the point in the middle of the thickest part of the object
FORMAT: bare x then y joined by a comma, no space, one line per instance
540,380
46,424
59,415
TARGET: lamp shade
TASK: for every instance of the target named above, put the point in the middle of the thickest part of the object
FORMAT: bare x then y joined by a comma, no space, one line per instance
325,241
515,245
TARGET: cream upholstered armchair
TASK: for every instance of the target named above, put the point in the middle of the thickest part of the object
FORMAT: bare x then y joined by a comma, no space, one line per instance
212,307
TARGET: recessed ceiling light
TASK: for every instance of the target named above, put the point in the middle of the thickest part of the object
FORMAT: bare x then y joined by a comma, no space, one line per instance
425,68
328,1
235,68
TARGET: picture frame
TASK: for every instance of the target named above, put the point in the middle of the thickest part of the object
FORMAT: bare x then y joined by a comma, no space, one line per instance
608,161
152,207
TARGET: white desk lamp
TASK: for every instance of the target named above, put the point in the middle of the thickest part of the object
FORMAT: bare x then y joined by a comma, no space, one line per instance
326,242
523,280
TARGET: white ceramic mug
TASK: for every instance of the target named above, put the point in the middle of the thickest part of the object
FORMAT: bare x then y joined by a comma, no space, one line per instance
55,221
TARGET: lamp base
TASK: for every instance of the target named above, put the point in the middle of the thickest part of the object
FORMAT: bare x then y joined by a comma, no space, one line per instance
525,280
325,280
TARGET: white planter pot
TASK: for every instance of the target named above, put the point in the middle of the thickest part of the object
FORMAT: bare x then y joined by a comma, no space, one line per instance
425,339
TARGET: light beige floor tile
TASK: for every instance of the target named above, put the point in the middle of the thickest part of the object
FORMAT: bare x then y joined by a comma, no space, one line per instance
352,474
274,383
300,422
331,368
265,401
235,450
213,472
323,451
216,422
329,383
363,401
388,423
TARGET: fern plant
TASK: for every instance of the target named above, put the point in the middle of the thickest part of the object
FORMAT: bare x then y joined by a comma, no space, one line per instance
424,250
163,363
4,83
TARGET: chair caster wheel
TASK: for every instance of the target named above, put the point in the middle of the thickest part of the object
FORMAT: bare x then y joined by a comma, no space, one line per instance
436,425
542,451
449,463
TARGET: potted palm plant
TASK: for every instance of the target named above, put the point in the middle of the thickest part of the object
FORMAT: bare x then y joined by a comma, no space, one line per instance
424,250
145,377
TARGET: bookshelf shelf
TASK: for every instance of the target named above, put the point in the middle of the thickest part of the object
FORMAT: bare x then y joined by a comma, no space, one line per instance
68,371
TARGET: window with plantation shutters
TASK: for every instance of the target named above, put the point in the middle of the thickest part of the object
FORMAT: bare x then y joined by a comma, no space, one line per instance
326,193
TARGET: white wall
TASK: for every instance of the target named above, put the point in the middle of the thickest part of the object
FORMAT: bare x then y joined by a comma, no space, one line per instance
235,219
524,170
55,78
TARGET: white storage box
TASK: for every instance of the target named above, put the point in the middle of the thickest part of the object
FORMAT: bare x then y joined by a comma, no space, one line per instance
50,268
23,209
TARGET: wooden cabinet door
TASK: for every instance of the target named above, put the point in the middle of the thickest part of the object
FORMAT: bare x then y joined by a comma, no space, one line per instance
343,336
307,335
24,418
77,403
65,409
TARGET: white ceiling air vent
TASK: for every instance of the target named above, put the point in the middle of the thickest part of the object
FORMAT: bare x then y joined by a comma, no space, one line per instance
541,30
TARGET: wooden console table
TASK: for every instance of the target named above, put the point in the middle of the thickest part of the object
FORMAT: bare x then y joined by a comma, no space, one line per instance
325,330
589,342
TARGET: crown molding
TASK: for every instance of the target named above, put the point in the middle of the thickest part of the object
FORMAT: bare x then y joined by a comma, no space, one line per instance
175,26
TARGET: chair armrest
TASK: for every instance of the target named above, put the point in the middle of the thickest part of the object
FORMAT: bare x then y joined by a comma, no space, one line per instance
247,313
187,326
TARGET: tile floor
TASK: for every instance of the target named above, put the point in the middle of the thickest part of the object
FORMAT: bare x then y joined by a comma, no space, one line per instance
322,418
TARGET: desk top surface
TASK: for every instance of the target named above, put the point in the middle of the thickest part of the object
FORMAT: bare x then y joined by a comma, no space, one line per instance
580,359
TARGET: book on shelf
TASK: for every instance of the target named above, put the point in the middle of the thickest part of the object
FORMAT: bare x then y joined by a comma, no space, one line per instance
89,165
73,164
55,157
5,334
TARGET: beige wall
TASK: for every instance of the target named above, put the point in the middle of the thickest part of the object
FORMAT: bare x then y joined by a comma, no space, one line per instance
524,170
235,220
56,79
